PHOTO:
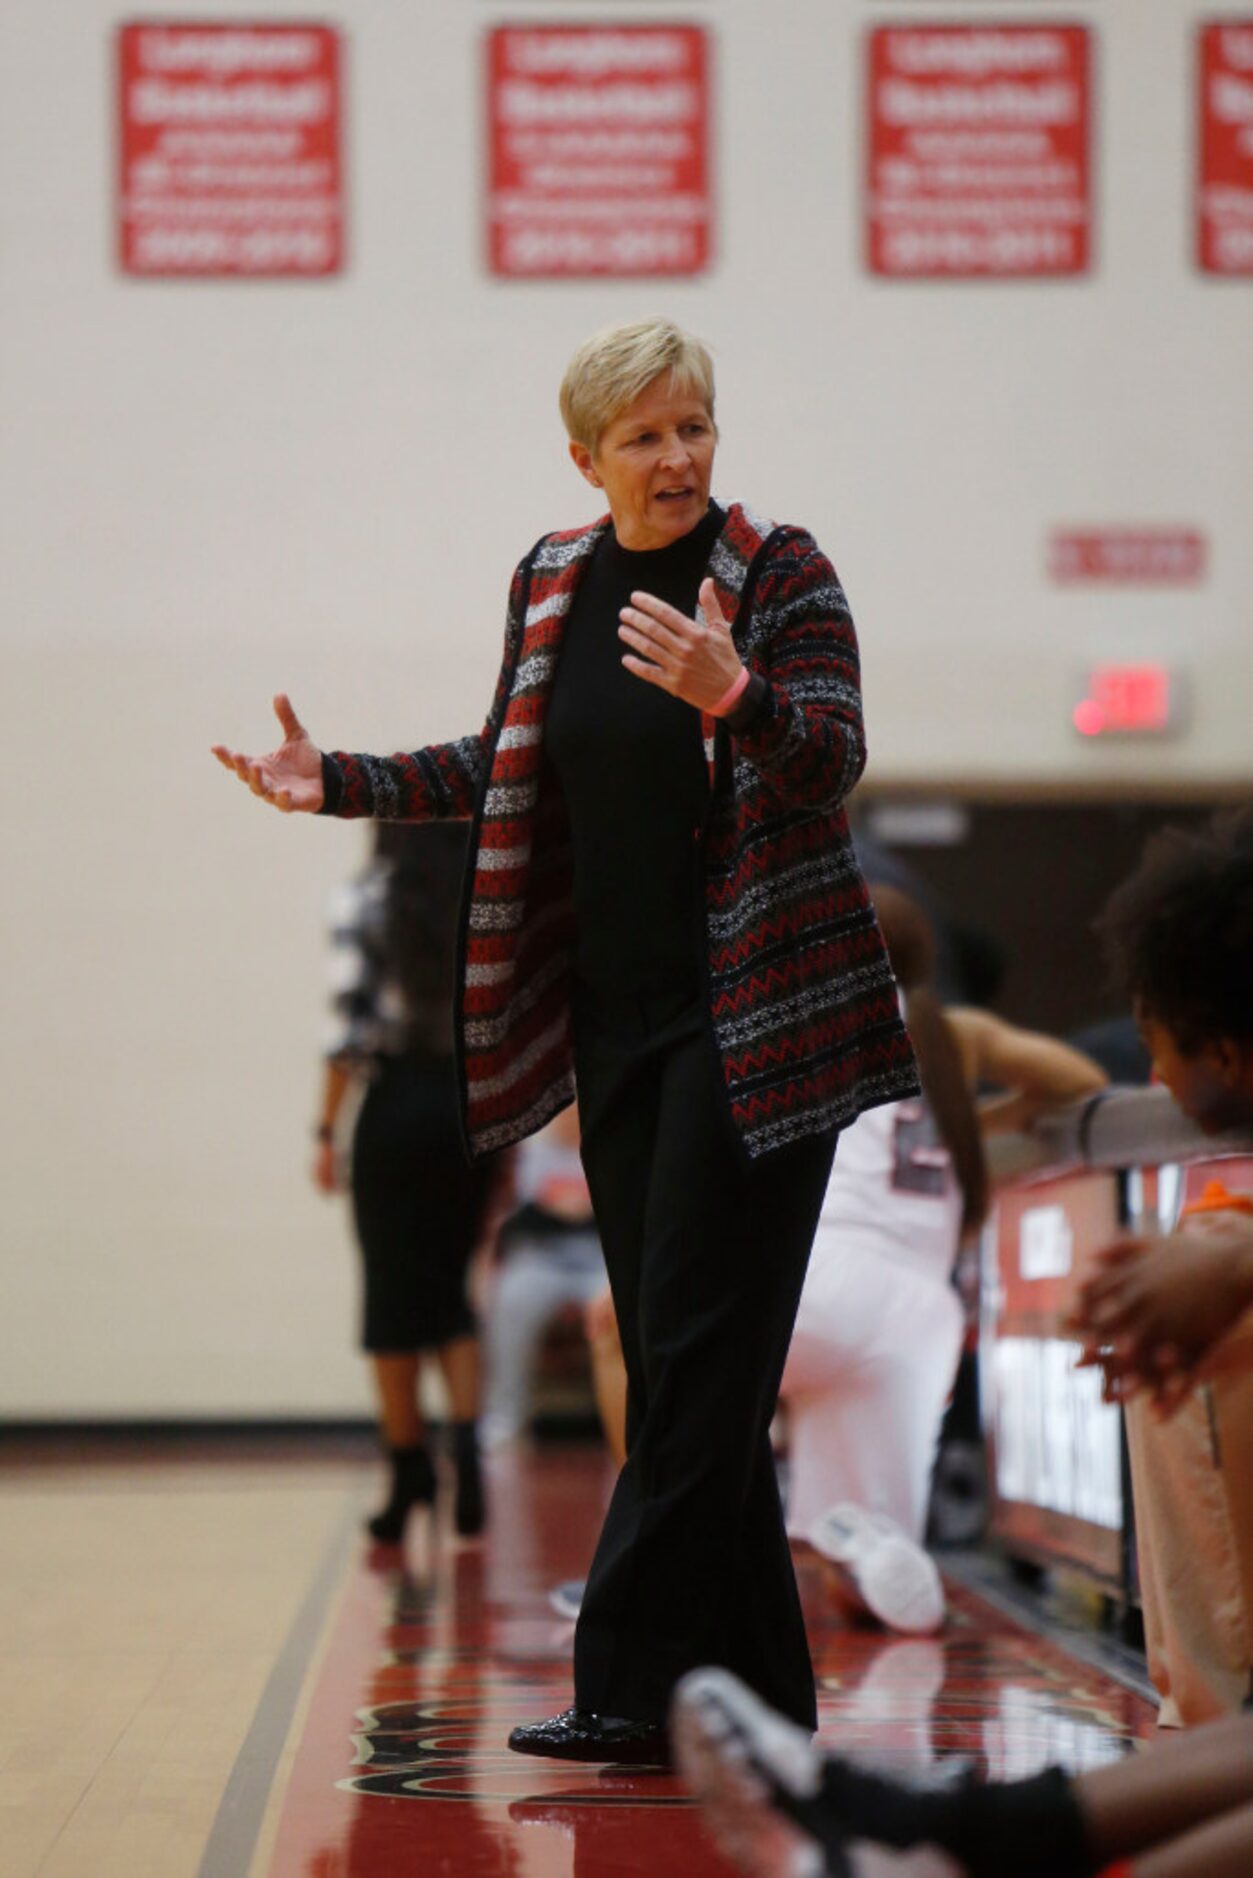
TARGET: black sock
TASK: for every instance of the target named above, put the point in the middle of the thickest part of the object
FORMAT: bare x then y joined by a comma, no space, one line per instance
413,1482
1033,1828
468,1509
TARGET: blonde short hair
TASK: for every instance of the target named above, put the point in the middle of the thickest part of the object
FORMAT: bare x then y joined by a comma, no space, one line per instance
609,371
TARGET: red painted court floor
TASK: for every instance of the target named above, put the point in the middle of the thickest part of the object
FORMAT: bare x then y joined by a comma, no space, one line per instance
432,1656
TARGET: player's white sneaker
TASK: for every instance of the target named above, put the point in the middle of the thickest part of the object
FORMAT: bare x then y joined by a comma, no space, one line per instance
896,1580
755,1775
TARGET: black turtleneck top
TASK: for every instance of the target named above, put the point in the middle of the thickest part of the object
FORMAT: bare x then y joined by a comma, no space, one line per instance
632,770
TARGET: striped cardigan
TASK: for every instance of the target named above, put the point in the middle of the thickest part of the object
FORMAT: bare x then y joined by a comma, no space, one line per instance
801,996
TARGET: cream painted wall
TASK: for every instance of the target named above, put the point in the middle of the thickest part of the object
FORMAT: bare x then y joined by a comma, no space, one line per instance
210,490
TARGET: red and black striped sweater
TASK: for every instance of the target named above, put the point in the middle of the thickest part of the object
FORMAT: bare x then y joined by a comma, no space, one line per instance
801,996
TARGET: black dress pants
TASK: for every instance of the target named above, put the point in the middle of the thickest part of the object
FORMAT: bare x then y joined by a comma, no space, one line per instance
706,1257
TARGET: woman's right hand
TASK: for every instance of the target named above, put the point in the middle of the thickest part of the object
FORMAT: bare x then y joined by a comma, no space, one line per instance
291,776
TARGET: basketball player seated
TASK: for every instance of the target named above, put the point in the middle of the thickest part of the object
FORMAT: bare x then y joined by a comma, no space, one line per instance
1158,1316
1168,1316
880,1327
1163,1313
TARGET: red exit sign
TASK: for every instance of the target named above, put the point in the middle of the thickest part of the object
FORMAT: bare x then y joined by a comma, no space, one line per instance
1122,700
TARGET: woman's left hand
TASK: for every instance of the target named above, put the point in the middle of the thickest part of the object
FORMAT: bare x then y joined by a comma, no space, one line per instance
326,1175
692,660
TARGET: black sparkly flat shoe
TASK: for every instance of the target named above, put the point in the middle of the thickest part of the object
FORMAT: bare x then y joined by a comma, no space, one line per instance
578,1734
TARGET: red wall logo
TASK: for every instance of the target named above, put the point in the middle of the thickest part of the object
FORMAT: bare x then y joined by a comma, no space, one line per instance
599,152
1225,179
230,150
977,162
1148,557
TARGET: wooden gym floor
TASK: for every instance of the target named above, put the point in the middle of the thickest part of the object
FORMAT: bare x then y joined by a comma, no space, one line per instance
205,1673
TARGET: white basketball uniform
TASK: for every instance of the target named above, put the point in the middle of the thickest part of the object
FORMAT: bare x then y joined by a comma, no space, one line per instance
879,1330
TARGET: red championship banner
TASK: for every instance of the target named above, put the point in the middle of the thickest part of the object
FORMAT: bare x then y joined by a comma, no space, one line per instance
599,160
977,150
230,149
1225,182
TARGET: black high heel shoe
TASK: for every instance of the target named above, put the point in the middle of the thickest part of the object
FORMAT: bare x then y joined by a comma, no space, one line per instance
413,1484
469,1514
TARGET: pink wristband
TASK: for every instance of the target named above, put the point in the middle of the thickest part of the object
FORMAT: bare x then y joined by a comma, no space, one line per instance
729,697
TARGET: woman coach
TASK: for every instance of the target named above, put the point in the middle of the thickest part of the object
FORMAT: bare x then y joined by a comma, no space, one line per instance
663,900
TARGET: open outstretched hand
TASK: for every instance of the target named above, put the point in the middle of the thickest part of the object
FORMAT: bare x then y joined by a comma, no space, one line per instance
291,776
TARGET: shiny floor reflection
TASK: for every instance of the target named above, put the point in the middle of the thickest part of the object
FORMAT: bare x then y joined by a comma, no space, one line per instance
434,1655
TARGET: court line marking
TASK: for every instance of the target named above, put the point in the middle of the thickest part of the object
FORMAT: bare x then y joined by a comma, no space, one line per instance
241,1810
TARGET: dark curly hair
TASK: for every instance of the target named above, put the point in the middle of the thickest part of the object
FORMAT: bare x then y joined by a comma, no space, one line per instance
1179,932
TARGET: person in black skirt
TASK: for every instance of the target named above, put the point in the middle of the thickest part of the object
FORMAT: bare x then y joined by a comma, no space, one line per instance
418,1208
663,896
